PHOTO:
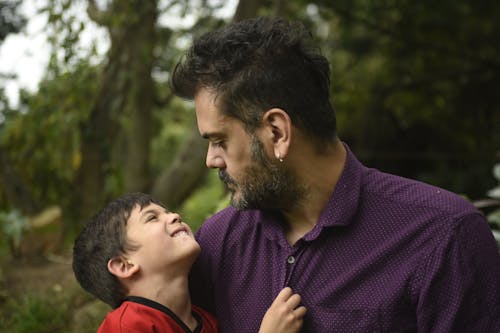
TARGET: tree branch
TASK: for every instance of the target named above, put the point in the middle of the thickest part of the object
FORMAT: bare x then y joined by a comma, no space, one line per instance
101,17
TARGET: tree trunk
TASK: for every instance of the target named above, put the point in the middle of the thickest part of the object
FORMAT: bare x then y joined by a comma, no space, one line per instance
186,171
122,108
138,109
246,9
279,8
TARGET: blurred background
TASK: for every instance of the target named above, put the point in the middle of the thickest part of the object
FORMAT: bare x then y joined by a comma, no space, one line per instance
86,114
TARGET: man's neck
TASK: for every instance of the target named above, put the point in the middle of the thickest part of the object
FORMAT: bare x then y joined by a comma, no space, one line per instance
319,174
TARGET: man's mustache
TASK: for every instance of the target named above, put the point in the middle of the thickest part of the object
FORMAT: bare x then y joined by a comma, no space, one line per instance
225,178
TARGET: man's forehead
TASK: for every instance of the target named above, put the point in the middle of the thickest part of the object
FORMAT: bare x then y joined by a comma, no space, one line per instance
208,116
206,95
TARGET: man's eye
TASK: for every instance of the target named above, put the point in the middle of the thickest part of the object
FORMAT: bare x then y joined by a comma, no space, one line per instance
219,144
151,218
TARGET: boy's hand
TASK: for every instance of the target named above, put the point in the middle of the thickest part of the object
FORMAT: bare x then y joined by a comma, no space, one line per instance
284,315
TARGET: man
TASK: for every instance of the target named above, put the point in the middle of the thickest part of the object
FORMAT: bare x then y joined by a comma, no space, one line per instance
367,251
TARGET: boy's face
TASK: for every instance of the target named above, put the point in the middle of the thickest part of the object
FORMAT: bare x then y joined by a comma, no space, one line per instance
165,243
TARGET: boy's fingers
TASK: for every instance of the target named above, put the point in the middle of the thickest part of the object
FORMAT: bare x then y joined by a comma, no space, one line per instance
291,302
294,301
300,312
284,295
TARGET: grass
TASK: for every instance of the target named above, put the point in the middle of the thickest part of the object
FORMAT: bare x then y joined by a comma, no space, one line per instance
36,313
43,297
52,311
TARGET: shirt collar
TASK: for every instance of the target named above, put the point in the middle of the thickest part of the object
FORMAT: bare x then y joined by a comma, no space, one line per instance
343,203
339,210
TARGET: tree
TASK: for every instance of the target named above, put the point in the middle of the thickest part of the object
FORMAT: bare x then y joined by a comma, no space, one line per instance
10,19
414,86
121,111
117,134
15,188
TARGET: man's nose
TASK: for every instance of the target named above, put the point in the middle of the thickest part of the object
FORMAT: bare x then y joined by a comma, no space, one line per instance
214,161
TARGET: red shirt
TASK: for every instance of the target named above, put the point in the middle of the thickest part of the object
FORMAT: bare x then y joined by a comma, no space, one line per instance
141,315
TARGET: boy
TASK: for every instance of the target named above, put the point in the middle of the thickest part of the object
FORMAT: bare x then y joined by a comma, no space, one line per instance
136,256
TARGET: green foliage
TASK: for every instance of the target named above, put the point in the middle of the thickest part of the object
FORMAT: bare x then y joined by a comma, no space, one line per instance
208,199
47,306
494,216
43,141
10,20
64,29
491,205
35,313
12,225
413,85
172,126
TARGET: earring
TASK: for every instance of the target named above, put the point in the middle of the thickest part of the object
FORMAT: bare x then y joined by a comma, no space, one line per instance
280,158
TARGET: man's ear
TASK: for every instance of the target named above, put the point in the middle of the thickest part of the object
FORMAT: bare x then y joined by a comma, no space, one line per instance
280,129
122,267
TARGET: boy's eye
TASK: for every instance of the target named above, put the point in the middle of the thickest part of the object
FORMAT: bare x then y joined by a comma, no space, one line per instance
151,218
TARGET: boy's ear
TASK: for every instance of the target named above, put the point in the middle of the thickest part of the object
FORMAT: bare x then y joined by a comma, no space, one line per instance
122,267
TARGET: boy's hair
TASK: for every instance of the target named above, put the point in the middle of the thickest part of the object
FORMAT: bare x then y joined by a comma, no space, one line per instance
103,238
258,64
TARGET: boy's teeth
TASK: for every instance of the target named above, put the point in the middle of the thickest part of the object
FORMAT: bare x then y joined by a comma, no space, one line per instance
180,233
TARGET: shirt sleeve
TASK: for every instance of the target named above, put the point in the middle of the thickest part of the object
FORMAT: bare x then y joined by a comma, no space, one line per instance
460,288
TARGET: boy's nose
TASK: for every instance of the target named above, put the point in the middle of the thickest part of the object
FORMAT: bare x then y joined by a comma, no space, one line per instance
174,218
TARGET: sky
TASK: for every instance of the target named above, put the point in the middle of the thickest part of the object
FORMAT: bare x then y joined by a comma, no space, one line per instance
26,54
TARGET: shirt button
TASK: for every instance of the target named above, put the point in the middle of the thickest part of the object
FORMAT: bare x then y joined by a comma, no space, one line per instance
291,259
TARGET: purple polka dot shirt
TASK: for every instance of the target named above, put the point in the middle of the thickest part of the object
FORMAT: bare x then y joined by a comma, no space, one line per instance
388,254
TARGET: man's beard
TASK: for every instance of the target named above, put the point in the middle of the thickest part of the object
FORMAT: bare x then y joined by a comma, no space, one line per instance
266,185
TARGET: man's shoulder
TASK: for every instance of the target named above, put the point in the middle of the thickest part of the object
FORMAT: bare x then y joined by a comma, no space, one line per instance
415,194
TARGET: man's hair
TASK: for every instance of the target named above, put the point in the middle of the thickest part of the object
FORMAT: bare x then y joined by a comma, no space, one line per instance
258,64
103,238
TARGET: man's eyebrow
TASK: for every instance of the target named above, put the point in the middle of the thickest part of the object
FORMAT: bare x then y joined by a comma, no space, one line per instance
211,135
